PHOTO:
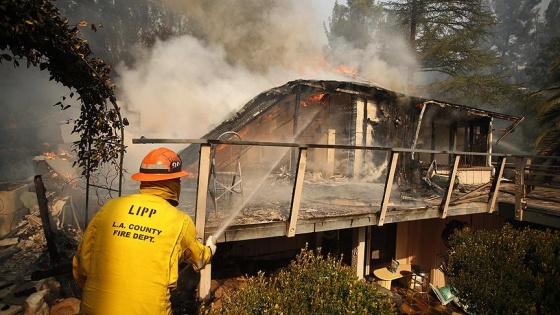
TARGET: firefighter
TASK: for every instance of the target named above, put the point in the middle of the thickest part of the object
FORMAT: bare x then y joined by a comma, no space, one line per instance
127,261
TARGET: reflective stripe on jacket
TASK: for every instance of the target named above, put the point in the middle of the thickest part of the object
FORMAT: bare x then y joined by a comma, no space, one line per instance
128,258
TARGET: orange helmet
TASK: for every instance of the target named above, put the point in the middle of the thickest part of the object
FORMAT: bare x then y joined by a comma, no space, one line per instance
160,164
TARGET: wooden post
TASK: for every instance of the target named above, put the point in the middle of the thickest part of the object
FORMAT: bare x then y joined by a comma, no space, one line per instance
388,186
447,197
496,182
200,215
358,250
330,153
45,220
520,192
367,267
296,194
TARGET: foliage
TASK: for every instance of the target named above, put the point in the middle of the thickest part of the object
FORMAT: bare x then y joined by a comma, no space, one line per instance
451,42
34,31
363,25
312,284
544,72
513,34
357,22
509,271
449,39
548,112
124,24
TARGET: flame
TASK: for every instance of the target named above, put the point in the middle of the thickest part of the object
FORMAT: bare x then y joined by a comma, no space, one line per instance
50,155
347,70
315,98
244,132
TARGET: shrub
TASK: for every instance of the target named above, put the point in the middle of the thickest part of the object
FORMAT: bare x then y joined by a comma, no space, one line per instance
507,271
311,284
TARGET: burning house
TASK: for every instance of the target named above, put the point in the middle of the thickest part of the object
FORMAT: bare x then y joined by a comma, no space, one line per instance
349,167
357,114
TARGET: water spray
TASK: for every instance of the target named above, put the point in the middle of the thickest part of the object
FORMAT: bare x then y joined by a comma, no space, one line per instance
275,163
236,211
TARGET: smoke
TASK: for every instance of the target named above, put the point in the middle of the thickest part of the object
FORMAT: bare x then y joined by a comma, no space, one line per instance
29,124
185,86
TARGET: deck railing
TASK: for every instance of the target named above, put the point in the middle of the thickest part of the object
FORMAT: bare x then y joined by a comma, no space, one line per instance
526,172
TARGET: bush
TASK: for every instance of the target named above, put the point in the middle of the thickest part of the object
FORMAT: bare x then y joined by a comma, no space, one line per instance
312,284
507,271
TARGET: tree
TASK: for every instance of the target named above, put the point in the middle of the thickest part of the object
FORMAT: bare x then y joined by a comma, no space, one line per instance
517,20
357,23
448,37
544,90
124,24
364,25
548,107
508,271
34,32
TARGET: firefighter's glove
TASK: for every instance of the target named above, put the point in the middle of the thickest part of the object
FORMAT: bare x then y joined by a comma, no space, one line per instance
211,242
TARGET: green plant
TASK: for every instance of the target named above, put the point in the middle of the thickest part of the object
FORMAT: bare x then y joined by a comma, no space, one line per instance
312,284
509,271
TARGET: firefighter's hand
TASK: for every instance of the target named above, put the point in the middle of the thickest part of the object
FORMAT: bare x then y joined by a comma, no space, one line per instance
211,242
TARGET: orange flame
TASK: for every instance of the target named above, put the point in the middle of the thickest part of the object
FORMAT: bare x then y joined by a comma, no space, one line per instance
315,98
347,70
50,155
244,132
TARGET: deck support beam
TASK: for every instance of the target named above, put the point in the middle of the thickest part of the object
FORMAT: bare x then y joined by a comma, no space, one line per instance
359,250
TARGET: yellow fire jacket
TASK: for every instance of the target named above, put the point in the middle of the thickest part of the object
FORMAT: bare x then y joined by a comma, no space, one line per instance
127,261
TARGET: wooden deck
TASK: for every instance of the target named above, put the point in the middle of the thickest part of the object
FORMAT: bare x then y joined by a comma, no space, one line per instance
329,205
301,202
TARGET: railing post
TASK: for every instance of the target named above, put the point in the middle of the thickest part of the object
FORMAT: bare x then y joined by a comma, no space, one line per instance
496,182
520,189
296,194
331,139
388,186
200,215
447,197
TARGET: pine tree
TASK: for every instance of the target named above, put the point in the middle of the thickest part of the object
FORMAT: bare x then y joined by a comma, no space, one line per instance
450,38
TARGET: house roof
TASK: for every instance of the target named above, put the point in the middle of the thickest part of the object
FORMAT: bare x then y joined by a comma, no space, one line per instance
267,99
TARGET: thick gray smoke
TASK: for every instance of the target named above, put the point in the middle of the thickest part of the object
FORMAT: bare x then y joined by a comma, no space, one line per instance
29,124
186,85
